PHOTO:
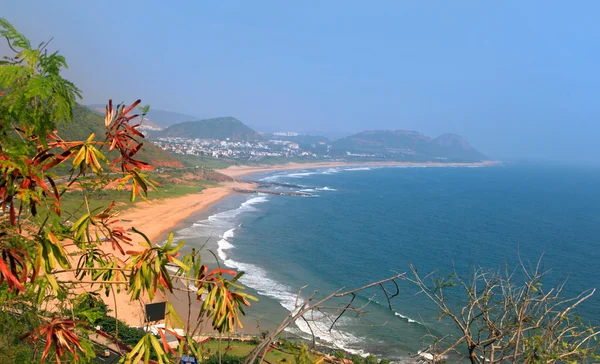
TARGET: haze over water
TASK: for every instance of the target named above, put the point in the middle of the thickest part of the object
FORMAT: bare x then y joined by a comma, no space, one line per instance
366,223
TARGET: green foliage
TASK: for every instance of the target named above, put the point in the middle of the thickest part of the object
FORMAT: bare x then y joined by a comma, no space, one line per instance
340,354
12,328
88,308
303,356
16,39
204,162
49,253
225,359
39,97
357,359
254,341
217,128
370,359
384,361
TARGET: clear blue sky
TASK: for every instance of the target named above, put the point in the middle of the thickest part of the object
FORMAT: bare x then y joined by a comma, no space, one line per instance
516,78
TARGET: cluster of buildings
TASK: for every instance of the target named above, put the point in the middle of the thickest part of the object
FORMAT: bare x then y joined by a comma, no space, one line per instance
232,149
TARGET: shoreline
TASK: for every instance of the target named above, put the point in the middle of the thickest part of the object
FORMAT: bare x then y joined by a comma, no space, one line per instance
155,218
241,171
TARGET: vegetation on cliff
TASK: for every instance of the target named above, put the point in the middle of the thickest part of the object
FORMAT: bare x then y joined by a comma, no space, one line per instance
217,128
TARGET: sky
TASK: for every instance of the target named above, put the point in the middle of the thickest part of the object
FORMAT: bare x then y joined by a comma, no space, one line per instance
517,79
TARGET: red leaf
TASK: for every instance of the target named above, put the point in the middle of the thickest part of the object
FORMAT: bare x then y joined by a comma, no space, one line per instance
222,271
11,279
136,103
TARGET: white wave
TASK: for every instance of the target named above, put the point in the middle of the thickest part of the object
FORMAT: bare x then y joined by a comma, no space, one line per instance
317,189
258,279
406,318
228,234
358,169
335,338
294,174
331,171
326,189
244,207
300,174
223,244
219,224
254,201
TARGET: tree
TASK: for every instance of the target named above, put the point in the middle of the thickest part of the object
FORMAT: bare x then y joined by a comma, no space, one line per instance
303,357
50,256
508,316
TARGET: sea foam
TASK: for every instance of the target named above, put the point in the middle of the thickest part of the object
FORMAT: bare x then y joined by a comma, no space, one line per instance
258,279
406,318
358,169
326,189
223,244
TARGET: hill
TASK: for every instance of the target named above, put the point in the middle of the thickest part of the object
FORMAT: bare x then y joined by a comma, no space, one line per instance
86,121
156,117
455,147
216,128
407,145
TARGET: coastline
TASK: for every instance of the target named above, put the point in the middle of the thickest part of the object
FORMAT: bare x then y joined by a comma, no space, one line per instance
241,171
155,218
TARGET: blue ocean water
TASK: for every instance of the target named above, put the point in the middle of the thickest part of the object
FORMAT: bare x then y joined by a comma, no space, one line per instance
364,224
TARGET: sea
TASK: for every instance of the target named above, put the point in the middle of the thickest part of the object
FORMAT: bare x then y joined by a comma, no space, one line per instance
364,224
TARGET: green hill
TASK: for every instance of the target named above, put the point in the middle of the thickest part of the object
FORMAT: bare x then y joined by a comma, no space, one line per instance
216,128
407,145
86,121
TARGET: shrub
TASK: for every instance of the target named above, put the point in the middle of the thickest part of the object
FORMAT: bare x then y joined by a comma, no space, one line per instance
225,359
340,354
371,359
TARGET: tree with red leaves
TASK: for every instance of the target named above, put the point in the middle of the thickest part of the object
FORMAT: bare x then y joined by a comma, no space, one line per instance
34,233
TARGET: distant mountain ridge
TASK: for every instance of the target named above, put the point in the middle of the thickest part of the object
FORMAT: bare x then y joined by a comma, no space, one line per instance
406,144
220,128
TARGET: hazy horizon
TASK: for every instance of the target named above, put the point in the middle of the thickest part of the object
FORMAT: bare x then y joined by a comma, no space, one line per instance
517,80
